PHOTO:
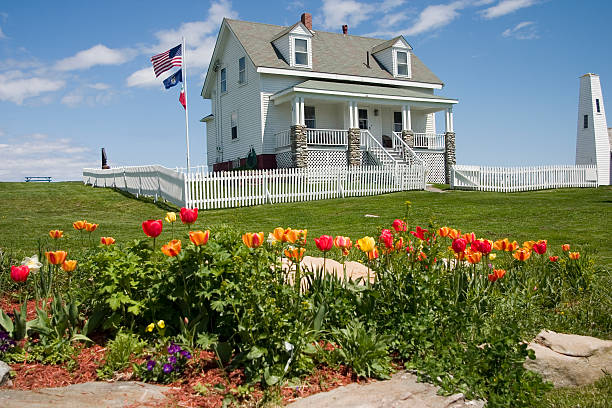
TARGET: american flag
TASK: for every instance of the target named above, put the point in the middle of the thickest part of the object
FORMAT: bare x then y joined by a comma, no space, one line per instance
166,60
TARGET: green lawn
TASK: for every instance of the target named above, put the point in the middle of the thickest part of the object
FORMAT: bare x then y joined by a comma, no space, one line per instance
582,217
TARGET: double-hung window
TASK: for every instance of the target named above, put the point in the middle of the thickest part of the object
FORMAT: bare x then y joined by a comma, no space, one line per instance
309,117
397,121
234,125
301,52
223,80
241,71
402,63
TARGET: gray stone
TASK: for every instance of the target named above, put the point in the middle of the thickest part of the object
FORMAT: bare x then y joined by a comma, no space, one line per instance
402,390
569,360
449,155
85,395
354,147
408,136
5,373
299,145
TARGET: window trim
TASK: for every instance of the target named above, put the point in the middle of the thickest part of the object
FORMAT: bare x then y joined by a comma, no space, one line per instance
313,119
223,81
234,125
407,64
242,71
307,52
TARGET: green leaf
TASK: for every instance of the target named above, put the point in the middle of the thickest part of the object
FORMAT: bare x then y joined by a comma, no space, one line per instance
319,317
6,322
223,351
255,353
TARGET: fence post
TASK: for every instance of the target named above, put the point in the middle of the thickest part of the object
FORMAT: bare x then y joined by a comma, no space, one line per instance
266,190
340,189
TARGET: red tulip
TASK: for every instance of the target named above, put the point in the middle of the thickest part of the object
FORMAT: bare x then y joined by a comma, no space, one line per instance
553,258
189,216
399,225
324,243
419,233
152,228
540,247
481,245
20,273
386,237
492,277
459,245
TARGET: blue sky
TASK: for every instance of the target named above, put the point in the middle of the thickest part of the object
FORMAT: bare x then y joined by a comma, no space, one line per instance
75,76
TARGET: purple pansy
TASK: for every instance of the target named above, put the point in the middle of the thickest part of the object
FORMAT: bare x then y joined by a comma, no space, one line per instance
186,354
172,359
174,348
167,368
150,365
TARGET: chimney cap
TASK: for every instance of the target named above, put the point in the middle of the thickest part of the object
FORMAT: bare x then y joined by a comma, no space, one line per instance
344,29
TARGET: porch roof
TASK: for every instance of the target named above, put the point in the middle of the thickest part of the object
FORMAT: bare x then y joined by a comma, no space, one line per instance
359,91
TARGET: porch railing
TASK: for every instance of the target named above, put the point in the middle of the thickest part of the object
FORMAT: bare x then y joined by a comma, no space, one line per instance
370,144
409,156
283,139
327,137
429,140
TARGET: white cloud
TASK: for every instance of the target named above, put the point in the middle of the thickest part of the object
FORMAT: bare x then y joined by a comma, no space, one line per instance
96,55
293,5
72,99
436,16
339,12
200,37
90,95
39,155
99,86
2,35
506,7
522,31
16,86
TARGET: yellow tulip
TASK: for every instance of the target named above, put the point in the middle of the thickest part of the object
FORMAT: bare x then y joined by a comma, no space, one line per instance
366,244
170,217
150,327
161,324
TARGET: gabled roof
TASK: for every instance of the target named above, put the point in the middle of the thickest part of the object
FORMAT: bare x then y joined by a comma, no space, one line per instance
333,53
390,43
289,29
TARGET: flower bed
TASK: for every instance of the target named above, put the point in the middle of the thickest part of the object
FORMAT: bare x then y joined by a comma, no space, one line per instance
215,312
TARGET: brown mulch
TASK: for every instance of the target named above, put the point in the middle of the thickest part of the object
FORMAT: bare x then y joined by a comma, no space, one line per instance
9,304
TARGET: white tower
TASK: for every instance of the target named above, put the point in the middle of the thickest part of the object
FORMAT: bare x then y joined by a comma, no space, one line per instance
592,143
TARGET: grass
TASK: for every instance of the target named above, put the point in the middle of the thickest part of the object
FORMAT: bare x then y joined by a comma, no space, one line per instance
582,217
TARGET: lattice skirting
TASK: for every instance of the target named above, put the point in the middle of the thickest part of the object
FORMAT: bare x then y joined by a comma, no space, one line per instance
434,163
284,160
327,158
367,159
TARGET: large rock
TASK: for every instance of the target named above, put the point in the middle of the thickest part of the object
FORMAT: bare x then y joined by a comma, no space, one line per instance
402,390
86,395
5,374
569,360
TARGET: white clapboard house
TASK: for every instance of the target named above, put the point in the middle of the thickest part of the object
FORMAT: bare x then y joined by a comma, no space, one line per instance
301,97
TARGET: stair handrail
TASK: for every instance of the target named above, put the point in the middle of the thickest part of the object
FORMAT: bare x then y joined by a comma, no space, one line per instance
371,144
407,150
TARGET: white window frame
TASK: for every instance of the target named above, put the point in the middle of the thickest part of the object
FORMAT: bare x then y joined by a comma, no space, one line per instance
294,52
397,64
313,119
234,124
222,80
242,74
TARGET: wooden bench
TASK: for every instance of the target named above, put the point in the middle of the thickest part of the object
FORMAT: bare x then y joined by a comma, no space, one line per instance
38,178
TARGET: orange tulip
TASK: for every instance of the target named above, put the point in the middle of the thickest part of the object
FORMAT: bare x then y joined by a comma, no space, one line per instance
55,234
56,257
90,227
454,234
469,238
107,240
574,255
295,254
69,266
505,245
253,239
497,274
79,225
295,235
422,256
528,244
473,257
172,248
565,247
522,254
444,231
279,234
199,237
373,254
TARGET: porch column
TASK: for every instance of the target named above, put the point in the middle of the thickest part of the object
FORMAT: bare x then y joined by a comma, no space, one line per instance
353,151
299,147
407,133
449,146
302,117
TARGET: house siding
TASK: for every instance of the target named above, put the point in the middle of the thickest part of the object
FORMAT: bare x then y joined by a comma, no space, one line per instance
385,57
241,98
282,45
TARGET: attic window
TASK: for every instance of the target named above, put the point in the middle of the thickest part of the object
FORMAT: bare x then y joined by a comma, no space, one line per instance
402,63
301,52
241,71
597,103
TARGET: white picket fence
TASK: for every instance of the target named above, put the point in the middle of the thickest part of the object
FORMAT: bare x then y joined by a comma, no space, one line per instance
511,179
253,187
155,181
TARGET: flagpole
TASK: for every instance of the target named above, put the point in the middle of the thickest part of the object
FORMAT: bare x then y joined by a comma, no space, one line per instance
186,110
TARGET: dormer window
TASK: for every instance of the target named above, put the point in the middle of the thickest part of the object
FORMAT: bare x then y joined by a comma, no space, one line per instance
402,63
301,52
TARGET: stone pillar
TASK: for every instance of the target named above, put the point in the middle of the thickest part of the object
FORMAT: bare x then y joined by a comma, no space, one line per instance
354,147
449,155
408,137
299,146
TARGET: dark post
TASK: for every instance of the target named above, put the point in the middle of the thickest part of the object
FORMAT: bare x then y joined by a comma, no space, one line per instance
105,165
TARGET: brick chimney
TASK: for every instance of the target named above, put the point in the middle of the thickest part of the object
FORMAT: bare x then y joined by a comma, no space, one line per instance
345,29
307,20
